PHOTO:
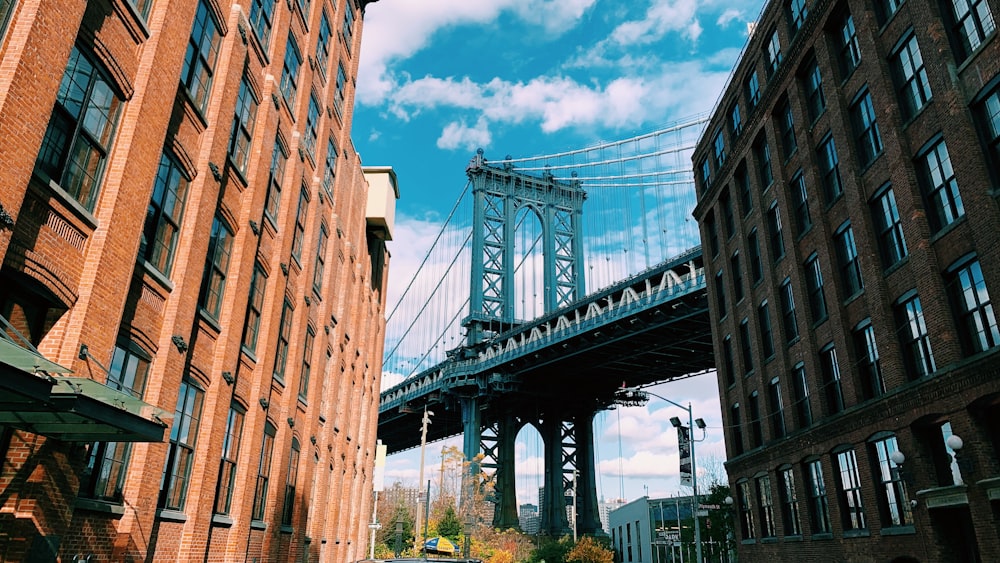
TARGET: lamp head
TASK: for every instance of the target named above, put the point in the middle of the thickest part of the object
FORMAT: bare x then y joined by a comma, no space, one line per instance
675,421
897,457
954,442
728,500
700,423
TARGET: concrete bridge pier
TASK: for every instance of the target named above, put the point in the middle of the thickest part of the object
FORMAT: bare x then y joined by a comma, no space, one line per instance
552,509
588,515
505,514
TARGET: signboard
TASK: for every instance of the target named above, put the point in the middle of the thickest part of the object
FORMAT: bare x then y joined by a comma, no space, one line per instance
684,446
379,477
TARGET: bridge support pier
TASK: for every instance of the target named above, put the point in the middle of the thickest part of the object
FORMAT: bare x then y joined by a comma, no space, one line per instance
552,509
588,515
505,514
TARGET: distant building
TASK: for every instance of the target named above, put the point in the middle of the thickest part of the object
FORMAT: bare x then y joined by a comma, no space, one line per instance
848,185
527,517
398,495
661,530
605,507
192,291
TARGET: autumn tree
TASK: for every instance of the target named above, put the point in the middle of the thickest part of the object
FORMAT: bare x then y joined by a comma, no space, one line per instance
589,550
449,525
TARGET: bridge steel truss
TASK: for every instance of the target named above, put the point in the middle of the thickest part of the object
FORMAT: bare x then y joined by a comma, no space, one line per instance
499,193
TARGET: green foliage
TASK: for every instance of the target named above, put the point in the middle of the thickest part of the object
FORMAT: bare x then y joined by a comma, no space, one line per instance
551,550
449,526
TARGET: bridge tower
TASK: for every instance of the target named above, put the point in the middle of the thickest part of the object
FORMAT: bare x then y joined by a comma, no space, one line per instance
500,193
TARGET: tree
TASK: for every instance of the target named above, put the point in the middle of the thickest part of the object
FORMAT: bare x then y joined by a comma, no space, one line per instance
589,550
551,550
449,526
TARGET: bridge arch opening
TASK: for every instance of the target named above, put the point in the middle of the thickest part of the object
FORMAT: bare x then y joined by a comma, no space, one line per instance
529,263
529,456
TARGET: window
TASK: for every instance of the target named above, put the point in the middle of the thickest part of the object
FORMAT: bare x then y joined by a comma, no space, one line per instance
290,72
348,29
746,512
869,366
814,287
261,16
737,273
774,232
263,472
201,55
894,506
307,352
163,216
255,307
988,110
719,149
720,294
851,506
918,358
819,508
727,212
847,260
746,350
6,9
756,425
107,462
753,247
940,189
216,267
776,408
866,134
230,458
977,323
180,456
788,321
743,182
773,54
812,80
736,426
242,134
300,225
764,329
80,131
796,12
786,125
340,96
727,360
829,165
789,502
288,511
752,88
713,233
888,227
319,271
803,411
972,24
311,136
831,380
800,197
303,9
763,156
330,170
847,40
323,44
284,336
706,173
765,504
885,9
276,176
736,120
911,77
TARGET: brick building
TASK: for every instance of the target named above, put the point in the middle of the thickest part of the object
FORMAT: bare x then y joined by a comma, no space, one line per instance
193,271
848,183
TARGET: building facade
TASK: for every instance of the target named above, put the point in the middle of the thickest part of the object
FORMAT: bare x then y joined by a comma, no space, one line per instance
192,283
848,183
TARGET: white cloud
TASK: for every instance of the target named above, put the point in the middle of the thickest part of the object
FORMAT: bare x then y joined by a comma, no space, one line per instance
458,135
728,17
662,17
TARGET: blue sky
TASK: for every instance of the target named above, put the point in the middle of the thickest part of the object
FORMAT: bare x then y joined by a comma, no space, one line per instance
441,78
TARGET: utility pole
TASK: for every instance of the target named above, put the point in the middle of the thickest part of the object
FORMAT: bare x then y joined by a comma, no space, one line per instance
423,446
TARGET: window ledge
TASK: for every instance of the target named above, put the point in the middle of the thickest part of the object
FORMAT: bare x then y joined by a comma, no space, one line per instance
796,538
822,536
975,54
286,529
942,497
222,521
863,533
947,229
167,515
258,525
770,539
209,320
750,541
157,275
111,508
898,531
69,201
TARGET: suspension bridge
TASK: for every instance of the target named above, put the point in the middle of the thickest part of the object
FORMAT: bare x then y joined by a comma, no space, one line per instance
497,328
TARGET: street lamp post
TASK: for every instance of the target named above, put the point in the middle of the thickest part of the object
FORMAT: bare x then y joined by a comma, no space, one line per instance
641,395
423,445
